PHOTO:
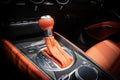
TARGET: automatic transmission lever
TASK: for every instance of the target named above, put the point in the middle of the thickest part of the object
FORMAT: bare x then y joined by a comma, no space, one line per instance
53,50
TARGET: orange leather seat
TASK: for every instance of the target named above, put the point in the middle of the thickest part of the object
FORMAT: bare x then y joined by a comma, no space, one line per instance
107,55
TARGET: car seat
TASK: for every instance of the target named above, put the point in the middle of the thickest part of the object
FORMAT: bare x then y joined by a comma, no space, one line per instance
106,54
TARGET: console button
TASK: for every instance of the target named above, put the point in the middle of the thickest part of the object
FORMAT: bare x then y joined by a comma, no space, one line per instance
52,65
31,50
47,62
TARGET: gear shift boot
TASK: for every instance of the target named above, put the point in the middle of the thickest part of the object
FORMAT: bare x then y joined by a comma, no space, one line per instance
53,49
37,51
56,53
51,65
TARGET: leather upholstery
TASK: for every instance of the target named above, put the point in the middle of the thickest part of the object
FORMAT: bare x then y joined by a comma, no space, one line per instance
56,53
107,55
22,62
46,24
103,29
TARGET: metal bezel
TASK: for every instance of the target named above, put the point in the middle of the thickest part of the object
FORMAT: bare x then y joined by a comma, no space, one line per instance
62,3
39,2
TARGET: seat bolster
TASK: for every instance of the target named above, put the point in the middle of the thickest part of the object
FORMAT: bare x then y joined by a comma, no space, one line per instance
105,54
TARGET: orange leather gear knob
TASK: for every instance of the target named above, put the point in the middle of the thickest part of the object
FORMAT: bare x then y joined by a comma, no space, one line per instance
46,22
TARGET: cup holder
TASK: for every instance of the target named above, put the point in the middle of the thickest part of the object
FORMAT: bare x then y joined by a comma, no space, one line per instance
47,64
85,72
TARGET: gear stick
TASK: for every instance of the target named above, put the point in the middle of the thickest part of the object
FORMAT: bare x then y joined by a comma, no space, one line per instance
53,50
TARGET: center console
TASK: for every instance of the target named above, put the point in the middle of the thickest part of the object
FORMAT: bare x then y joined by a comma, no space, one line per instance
82,67
26,52
52,57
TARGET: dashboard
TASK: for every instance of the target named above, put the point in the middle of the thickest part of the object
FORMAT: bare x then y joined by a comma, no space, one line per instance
36,8
27,11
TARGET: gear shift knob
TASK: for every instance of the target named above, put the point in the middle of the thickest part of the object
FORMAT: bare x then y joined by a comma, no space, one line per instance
46,22
53,49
